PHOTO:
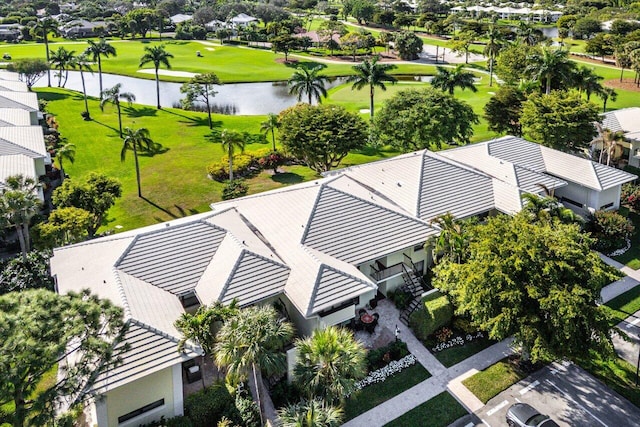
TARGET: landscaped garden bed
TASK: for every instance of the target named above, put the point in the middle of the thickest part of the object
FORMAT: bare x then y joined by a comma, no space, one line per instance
439,411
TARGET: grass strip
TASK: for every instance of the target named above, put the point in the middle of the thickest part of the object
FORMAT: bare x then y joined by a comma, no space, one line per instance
617,374
493,380
439,411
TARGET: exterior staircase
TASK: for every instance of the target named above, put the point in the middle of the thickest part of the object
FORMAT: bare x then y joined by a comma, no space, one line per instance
414,285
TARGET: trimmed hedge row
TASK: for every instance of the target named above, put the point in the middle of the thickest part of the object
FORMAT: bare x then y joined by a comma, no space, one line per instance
436,311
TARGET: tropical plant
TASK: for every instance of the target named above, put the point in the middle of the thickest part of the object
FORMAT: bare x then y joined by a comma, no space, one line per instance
447,80
311,413
199,88
495,43
136,140
113,95
65,152
18,204
202,326
45,27
547,209
230,141
606,94
307,81
82,64
96,51
550,65
449,244
62,60
157,55
610,230
270,125
329,363
587,81
609,144
371,74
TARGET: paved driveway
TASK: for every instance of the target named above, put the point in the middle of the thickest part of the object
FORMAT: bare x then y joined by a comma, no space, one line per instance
568,394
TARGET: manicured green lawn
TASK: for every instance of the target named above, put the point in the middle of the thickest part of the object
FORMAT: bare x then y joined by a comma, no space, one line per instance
618,374
631,258
493,380
624,305
439,411
372,396
455,355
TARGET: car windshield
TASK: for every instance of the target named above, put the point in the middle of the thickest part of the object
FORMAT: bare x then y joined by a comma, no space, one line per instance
536,419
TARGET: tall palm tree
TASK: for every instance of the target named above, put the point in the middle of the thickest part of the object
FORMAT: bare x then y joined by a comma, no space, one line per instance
528,34
587,81
311,413
307,81
66,151
61,60
447,80
495,43
330,362
157,55
231,140
136,140
18,204
96,51
270,125
113,95
548,64
82,64
45,27
372,74
606,94
251,342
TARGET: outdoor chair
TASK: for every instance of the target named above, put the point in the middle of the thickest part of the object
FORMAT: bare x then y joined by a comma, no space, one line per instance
361,312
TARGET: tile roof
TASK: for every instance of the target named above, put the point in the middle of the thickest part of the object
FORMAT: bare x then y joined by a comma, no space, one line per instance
25,100
27,140
14,117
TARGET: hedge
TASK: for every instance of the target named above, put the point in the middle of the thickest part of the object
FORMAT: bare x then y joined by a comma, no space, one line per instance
436,311
206,407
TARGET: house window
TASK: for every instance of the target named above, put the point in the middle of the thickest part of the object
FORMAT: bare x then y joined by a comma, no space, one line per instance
140,411
189,300
571,202
607,206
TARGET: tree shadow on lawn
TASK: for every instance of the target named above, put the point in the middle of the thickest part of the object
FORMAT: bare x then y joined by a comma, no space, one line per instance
305,64
165,210
196,121
54,96
287,178
106,125
141,112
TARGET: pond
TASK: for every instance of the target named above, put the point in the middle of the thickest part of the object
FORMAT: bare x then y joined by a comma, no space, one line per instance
237,98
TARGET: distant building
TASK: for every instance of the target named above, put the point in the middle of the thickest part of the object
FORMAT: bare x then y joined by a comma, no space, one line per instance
180,18
82,28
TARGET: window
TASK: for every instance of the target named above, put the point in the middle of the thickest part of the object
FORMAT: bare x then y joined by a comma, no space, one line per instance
189,300
607,206
140,411
418,248
571,202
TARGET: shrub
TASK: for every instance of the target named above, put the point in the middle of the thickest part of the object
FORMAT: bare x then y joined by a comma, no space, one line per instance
464,325
206,407
401,298
380,357
234,189
272,160
242,164
249,411
630,196
178,421
610,229
436,312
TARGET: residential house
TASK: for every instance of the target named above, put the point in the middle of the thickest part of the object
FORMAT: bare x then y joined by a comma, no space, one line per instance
27,101
242,20
627,122
83,28
179,18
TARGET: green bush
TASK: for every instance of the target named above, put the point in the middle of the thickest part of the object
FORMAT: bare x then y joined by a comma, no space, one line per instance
380,357
630,196
242,163
206,407
234,189
400,298
436,311
464,325
610,230
170,422
249,411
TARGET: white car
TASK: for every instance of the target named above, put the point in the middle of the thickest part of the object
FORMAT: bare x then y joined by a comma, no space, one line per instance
523,415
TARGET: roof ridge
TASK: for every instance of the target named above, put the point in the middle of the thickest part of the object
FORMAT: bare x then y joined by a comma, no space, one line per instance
307,226
164,334
227,282
92,242
122,294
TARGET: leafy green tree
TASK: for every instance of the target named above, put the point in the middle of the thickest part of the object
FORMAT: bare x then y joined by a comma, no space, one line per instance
82,64
284,43
363,10
36,327
29,69
601,45
538,282
311,413
157,55
113,96
416,119
511,64
136,140
610,230
269,126
230,141
17,275
448,79
18,204
96,193
461,44
96,51
202,326
503,110
408,45
586,27
372,74
65,152
560,120
550,65
45,27
307,81
200,88
140,20
64,226
62,59
251,342
329,363
321,135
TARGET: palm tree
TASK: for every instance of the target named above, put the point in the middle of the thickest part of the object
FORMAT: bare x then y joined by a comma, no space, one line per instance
306,80
330,362
371,74
61,60
158,56
231,140
81,62
545,209
251,342
96,51
494,45
113,95
202,326
311,413
66,151
587,81
548,64
136,140
528,34
18,204
610,143
606,94
450,243
270,125
45,27
447,80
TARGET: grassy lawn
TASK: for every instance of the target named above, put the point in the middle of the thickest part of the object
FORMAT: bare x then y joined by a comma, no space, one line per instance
375,394
624,305
618,374
455,355
631,258
493,380
439,411
47,381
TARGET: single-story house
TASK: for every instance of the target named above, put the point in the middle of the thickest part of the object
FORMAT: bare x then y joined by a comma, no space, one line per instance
215,25
12,85
18,164
27,141
27,101
626,121
82,28
180,18
319,250
242,20
14,116
10,32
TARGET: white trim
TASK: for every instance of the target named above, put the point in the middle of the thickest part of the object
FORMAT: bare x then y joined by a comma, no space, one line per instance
178,399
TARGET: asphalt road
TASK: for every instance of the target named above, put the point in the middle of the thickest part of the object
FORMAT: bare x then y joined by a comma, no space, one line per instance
568,394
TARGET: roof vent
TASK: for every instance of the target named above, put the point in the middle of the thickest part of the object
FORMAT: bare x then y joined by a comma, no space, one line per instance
399,184
167,224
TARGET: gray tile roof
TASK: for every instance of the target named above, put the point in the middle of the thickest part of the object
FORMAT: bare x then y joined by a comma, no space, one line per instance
254,278
175,258
512,149
333,286
356,230
10,99
610,121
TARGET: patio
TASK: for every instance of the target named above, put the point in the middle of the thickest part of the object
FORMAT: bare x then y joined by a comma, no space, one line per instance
384,333
210,374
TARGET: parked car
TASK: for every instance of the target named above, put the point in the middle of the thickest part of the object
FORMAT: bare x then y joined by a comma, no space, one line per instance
523,415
